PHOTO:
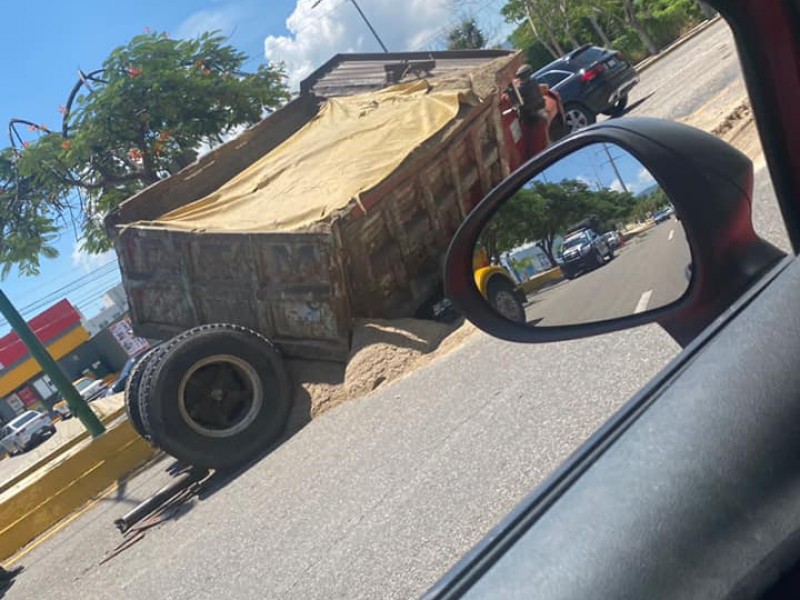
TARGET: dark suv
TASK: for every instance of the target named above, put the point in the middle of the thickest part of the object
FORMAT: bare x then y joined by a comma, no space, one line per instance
590,81
582,251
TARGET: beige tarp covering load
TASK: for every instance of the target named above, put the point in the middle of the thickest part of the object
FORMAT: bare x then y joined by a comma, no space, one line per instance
349,147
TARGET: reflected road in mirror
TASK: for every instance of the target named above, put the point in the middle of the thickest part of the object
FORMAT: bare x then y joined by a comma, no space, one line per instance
593,237
648,271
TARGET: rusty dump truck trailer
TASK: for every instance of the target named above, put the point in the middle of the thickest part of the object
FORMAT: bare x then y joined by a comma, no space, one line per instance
379,256
279,238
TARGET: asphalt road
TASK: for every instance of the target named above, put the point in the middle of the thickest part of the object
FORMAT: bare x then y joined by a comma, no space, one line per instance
704,68
647,273
379,497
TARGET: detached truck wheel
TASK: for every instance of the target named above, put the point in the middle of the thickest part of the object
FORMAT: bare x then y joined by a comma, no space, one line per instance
216,397
132,392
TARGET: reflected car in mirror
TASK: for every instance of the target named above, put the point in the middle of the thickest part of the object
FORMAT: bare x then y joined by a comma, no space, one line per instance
600,187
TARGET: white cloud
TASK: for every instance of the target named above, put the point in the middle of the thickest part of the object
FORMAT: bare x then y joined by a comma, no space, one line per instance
219,19
89,263
643,181
335,26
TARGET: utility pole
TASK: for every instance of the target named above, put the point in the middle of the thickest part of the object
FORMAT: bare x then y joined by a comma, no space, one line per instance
616,170
50,367
364,17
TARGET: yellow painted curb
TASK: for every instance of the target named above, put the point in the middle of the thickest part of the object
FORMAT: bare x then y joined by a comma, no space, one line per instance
70,485
542,279
6,485
632,233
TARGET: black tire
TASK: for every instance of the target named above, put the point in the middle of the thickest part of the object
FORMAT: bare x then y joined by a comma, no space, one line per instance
619,108
216,397
132,392
577,116
503,298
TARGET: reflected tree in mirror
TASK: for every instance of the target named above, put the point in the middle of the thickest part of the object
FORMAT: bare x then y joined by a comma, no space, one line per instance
591,238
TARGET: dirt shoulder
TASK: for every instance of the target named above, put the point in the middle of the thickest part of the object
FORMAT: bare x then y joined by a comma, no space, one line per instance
730,118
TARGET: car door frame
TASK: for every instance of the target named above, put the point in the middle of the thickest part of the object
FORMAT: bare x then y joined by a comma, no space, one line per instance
779,128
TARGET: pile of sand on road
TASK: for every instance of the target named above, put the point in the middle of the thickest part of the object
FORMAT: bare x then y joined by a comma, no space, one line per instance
381,351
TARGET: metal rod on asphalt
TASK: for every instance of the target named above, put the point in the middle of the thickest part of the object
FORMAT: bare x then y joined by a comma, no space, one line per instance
51,368
363,16
140,511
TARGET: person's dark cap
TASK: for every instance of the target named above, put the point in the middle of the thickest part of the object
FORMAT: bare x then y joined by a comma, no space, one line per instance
524,70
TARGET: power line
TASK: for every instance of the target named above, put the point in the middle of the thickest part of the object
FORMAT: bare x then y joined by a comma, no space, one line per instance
72,282
62,277
53,322
69,288
106,278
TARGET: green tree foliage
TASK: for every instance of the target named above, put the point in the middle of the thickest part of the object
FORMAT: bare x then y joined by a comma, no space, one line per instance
649,203
159,101
27,228
548,29
542,211
466,36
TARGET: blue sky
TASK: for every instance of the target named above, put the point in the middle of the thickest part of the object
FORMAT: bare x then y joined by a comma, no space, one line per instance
592,166
42,46
44,43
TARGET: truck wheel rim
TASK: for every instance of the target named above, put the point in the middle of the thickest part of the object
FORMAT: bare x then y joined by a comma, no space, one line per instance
220,396
576,120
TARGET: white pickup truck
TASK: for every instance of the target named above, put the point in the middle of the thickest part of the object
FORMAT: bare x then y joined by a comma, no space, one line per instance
25,431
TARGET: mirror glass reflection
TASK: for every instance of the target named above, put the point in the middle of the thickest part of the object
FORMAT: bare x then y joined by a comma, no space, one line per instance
591,238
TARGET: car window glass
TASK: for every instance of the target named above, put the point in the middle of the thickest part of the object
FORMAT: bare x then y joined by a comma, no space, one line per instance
82,385
588,57
23,420
553,78
403,474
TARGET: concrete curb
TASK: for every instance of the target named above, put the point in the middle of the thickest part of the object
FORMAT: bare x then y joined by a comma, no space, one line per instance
109,418
69,485
650,60
539,281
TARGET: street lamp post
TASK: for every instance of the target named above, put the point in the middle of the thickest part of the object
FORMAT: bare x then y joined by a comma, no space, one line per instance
363,16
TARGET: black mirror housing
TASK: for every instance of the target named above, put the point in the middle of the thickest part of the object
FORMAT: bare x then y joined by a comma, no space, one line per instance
710,184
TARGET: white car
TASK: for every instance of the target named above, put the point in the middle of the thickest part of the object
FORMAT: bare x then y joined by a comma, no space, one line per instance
89,389
25,431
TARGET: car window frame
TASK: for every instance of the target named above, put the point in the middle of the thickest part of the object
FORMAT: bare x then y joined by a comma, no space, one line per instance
566,76
750,22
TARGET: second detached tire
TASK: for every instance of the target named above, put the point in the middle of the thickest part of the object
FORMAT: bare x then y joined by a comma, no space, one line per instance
216,396
132,392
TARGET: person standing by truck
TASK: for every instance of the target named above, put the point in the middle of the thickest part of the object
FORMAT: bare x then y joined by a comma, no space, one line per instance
531,110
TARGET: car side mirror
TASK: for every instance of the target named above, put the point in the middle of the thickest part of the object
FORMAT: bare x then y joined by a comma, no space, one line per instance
625,223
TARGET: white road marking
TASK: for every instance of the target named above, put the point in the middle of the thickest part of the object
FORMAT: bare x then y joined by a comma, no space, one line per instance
671,233
643,301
